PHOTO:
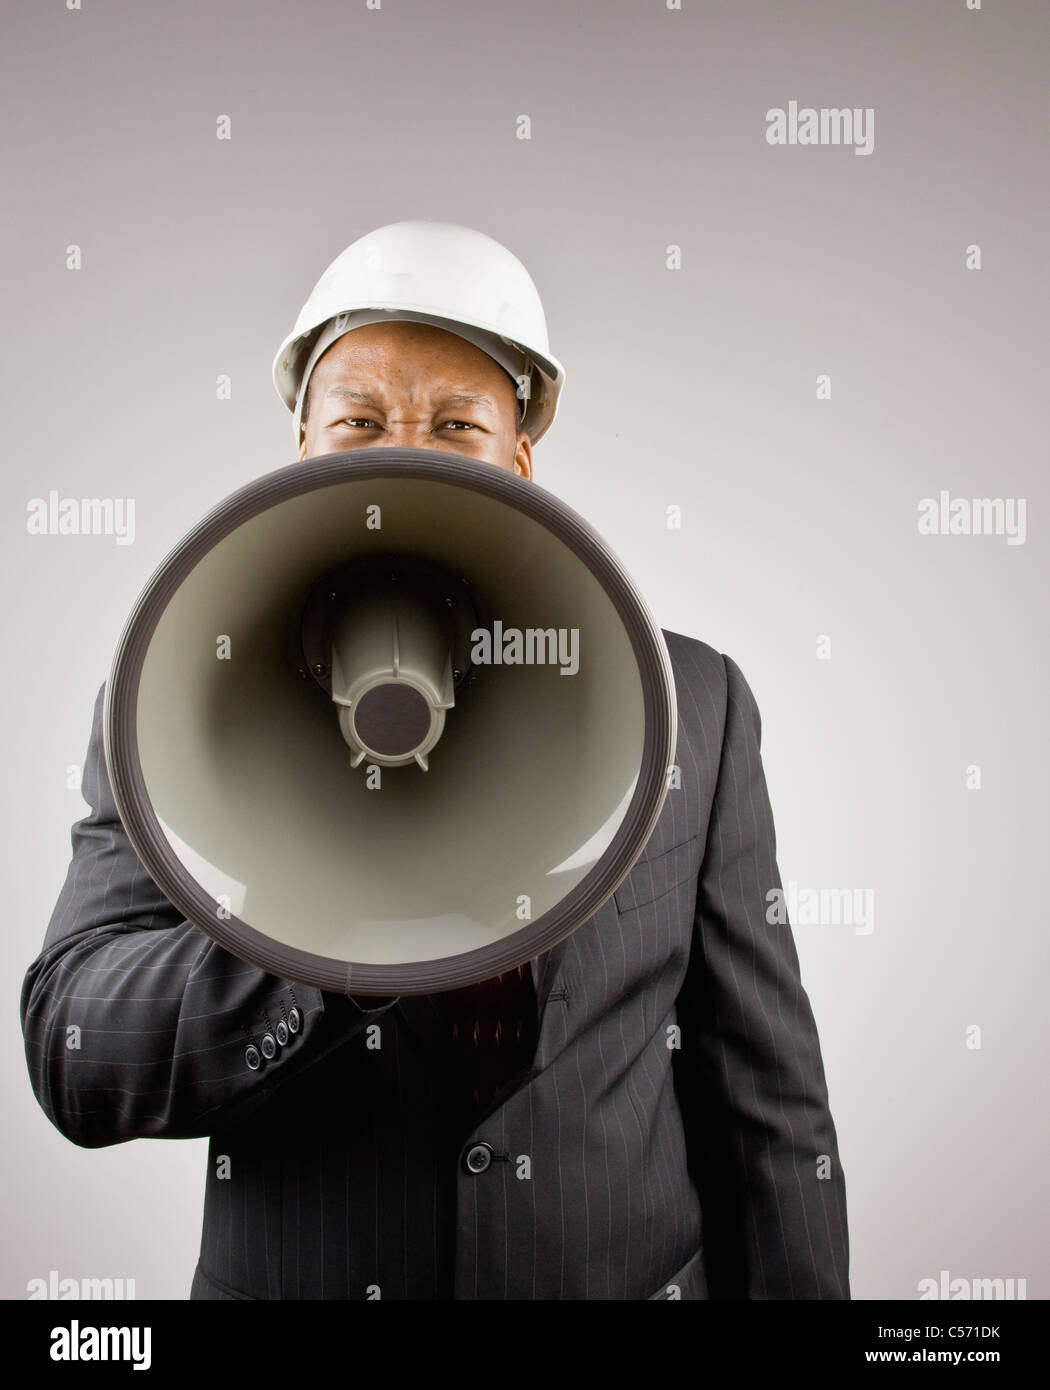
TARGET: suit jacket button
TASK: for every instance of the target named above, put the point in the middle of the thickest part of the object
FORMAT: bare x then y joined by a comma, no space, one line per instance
251,1056
479,1156
294,1020
281,1032
269,1047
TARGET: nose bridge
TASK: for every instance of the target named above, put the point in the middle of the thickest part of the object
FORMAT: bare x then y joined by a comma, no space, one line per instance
400,430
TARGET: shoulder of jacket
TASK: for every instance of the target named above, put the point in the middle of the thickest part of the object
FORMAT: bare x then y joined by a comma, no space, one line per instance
691,656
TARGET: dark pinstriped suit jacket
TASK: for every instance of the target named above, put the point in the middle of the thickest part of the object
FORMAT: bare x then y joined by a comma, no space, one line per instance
653,1171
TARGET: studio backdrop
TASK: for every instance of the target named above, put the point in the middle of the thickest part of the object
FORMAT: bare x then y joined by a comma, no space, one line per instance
794,261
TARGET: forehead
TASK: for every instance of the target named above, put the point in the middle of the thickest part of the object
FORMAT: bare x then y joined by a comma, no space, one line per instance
403,350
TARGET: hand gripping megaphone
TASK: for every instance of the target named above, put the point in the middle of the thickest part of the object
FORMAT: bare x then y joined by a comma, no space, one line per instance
389,722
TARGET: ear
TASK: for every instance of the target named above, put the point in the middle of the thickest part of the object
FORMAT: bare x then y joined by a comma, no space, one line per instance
523,457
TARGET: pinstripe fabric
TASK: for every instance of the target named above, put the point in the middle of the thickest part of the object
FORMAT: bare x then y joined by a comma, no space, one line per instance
620,1167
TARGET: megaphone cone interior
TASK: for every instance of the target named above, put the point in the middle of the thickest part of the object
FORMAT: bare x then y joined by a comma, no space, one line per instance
421,801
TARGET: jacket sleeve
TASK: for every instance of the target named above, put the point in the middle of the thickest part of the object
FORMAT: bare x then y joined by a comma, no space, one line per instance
761,1141
138,1025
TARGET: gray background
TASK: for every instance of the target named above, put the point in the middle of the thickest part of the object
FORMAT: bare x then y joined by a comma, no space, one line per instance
695,387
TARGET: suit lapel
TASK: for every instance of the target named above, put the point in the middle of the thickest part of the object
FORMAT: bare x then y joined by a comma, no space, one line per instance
423,1016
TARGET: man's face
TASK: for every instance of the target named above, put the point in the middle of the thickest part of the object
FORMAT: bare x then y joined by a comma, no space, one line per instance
414,386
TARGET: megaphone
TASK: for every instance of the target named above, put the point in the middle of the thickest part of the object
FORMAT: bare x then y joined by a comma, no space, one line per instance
390,722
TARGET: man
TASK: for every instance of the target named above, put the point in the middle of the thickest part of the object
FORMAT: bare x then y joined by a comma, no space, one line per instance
641,1113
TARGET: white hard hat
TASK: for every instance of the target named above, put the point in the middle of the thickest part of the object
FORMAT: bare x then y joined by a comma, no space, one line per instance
431,272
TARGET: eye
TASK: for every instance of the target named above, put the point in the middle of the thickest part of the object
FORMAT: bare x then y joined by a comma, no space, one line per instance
352,423
469,424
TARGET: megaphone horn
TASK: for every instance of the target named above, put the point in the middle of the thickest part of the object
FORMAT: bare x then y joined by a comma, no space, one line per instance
389,721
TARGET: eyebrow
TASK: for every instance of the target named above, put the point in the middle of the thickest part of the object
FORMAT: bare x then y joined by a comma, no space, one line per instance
363,398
